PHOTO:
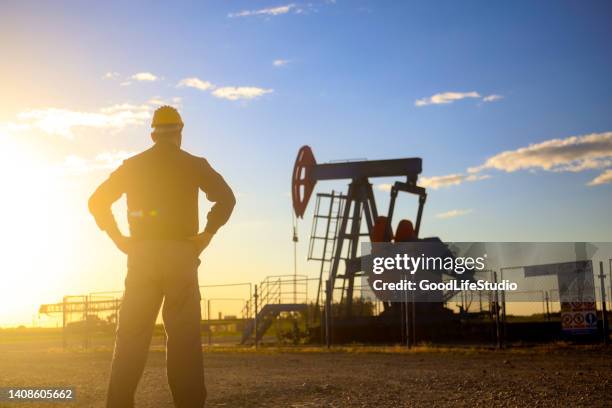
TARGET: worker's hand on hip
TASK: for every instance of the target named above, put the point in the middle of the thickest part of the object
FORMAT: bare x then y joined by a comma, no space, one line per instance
201,241
122,242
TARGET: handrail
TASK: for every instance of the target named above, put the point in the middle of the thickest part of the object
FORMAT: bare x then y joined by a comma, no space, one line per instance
271,291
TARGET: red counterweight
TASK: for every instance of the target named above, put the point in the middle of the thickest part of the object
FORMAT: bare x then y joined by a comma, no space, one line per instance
302,184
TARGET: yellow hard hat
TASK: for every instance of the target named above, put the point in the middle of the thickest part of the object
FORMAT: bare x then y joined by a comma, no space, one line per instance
166,115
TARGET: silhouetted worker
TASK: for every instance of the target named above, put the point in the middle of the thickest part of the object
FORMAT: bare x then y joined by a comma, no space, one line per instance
162,186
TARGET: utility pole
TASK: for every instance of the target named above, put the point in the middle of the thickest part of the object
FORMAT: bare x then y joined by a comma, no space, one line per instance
604,312
209,325
406,314
328,312
503,305
256,296
610,272
86,313
547,307
497,322
64,313
413,319
295,242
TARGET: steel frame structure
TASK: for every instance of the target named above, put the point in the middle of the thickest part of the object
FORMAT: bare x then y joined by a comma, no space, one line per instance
359,200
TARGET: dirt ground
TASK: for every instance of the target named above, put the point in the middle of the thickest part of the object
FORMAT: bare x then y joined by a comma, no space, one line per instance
358,377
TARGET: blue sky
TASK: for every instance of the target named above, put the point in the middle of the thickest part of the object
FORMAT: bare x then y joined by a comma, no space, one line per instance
348,83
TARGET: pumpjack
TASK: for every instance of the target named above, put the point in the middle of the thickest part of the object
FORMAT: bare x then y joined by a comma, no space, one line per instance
358,201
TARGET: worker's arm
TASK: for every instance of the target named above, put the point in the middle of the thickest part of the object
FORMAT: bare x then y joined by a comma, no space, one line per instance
100,204
218,192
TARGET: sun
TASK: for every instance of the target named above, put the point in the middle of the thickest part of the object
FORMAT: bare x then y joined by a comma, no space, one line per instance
34,224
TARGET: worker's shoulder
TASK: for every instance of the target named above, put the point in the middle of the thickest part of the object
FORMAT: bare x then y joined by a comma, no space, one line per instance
137,158
192,158
153,156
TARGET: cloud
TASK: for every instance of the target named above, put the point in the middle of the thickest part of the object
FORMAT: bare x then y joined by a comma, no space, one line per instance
232,93
448,180
102,161
603,178
63,122
125,108
145,76
290,8
126,83
437,182
243,92
111,75
453,213
571,154
10,127
159,101
270,11
492,98
156,100
574,153
196,83
445,98
280,62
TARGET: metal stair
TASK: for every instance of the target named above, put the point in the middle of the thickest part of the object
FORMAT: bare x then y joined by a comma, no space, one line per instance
276,295
266,317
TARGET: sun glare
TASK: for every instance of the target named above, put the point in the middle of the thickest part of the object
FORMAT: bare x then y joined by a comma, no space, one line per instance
33,228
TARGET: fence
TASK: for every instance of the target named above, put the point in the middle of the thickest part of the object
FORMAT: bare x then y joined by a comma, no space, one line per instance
89,321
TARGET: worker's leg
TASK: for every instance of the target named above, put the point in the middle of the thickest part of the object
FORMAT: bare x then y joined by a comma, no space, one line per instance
139,308
181,313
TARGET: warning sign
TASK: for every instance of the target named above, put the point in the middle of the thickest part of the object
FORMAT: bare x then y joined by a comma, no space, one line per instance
576,293
578,318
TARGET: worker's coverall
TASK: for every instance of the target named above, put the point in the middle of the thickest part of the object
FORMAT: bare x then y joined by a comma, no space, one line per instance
162,186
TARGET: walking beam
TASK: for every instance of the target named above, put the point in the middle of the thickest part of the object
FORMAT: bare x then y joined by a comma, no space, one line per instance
306,173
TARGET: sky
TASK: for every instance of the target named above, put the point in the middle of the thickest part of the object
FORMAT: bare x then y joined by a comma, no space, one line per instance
508,104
